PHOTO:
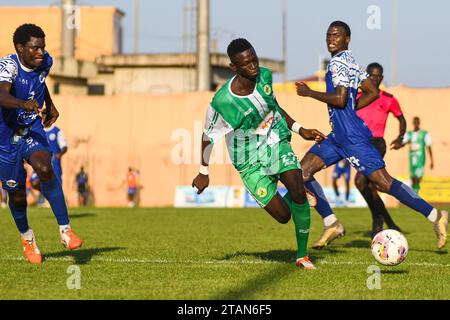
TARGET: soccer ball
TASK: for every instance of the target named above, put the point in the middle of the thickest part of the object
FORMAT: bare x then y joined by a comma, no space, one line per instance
389,247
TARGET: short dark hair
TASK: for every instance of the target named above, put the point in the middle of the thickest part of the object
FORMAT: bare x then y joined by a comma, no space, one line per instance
342,25
238,45
23,33
374,65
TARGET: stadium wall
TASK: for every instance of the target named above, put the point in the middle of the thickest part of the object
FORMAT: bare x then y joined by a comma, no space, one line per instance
160,135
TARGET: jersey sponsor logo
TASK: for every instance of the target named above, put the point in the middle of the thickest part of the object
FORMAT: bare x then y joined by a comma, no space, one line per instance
11,183
261,192
265,124
267,89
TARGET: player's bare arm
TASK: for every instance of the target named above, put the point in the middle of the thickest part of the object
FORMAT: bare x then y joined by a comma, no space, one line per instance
397,143
307,134
9,101
201,181
337,99
431,157
50,113
370,93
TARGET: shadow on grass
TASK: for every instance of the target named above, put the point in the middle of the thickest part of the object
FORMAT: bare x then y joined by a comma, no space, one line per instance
436,251
287,256
257,284
81,215
359,243
394,271
81,256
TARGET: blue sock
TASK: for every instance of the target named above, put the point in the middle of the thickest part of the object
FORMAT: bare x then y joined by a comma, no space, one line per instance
322,206
408,197
20,217
52,191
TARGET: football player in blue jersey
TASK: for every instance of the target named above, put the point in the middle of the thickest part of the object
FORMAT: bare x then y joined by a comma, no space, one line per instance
350,138
26,107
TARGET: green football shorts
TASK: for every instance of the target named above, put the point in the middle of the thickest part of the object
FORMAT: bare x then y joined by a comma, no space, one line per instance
261,179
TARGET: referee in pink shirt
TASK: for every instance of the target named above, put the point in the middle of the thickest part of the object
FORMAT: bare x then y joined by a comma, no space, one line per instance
375,116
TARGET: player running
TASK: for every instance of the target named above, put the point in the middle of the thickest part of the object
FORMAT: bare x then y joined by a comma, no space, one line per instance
257,134
350,138
375,116
418,140
23,93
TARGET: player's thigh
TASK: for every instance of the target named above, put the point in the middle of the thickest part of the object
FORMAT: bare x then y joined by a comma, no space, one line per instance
320,157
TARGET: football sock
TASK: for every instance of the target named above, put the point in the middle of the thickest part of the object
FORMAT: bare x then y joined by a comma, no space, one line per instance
406,195
302,221
329,220
322,206
53,192
64,228
432,216
416,188
20,217
28,235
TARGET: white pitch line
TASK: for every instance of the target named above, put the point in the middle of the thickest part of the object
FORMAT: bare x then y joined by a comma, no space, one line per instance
215,262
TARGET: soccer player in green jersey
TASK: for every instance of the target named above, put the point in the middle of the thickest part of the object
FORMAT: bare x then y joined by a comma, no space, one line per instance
418,140
257,133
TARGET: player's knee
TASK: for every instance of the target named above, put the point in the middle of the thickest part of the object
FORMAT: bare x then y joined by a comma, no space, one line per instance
382,187
45,172
360,182
299,197
283,219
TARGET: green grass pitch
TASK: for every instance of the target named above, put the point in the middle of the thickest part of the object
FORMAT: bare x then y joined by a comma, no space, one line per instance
214,254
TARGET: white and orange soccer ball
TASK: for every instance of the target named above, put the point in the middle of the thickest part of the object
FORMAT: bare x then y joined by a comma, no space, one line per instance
389,247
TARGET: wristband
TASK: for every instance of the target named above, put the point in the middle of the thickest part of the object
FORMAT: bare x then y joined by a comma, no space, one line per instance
296,127
204,170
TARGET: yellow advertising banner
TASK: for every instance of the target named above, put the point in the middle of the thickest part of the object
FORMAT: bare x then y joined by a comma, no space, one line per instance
434,189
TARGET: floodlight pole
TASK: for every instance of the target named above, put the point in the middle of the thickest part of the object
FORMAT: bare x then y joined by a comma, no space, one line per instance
203,53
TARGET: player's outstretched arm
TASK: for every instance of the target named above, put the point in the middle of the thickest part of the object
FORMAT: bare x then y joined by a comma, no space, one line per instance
337,99
397,143
201,181
370,93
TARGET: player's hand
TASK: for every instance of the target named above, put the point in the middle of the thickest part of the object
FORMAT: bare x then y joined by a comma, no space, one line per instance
49,117
31,105
397,143
200,182
302,89
312,134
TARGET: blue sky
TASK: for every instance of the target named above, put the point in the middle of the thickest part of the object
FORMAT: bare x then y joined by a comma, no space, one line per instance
422,32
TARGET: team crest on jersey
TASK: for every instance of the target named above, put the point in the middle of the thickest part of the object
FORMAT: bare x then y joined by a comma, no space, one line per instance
42,77
261,192
11,183
267,89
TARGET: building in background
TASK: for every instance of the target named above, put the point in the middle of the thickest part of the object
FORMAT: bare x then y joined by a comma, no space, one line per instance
100,67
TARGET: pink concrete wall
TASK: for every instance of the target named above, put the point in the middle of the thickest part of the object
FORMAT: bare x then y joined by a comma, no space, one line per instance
109,134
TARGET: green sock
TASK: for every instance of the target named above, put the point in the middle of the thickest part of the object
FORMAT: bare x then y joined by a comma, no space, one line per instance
288,200
302,221
416,188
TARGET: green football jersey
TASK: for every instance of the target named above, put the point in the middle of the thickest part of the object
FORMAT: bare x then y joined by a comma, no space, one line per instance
251,124
418,141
